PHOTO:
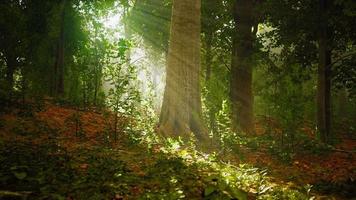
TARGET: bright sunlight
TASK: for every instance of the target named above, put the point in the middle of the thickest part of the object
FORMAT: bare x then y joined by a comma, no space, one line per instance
177,99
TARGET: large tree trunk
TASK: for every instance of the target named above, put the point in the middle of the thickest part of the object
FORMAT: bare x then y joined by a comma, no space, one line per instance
181,110
59,61
324,78
241,69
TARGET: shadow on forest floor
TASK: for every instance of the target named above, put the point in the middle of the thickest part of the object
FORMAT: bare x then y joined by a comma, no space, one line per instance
58,154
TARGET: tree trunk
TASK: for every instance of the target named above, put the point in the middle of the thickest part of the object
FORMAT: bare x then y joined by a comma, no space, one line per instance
10,70
343,102
208,72
97,71
59,62
241,69
181,111
128,33
208,59
84,93
324,78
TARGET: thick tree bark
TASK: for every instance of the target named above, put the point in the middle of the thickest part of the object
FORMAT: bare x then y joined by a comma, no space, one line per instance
324,78
181,111
241,69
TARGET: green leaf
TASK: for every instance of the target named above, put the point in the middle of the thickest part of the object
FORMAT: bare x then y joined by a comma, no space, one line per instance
239,194
223,186
209,190
20,175
18,167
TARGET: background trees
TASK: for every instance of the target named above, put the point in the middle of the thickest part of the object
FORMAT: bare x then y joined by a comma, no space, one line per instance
258,79
309,31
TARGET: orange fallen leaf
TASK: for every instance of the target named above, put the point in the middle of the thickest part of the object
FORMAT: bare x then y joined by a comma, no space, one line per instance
84,166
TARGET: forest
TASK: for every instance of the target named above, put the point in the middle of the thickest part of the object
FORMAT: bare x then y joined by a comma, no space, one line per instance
177,99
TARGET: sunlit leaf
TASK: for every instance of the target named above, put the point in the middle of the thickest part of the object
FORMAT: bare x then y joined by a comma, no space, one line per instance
20,175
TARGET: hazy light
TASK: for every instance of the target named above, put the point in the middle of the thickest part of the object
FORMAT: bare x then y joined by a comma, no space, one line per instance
149,71
112,21
113,24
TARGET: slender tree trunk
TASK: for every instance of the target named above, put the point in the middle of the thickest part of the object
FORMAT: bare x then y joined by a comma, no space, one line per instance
241,69
324,93
208,58
53,87
59,62
181,110
96,71
343,102
324,78
128,33
10,70
96,83
208,72
84,93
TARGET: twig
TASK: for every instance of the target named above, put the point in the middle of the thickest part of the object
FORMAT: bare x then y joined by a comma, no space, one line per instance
14,194
342,57
343,151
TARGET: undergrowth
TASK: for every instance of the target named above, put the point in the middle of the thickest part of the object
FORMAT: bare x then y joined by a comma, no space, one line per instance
140,165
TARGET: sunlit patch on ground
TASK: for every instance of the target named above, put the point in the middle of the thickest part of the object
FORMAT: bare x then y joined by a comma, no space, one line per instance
124,170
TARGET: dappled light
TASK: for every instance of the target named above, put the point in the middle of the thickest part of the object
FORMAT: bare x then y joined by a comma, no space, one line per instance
177,99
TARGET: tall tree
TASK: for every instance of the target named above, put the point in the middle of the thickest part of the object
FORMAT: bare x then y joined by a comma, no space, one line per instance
314,33
59,60
216,57
181,111
241,67
324,74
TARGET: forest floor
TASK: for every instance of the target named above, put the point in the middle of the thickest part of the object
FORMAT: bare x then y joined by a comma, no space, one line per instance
61,153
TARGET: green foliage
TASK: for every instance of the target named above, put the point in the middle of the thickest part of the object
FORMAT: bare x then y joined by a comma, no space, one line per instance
25,168
123,94
151,19
221,190
48,173
344,73
98,72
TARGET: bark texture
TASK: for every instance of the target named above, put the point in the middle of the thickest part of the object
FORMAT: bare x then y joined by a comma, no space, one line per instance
241,69
181,111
